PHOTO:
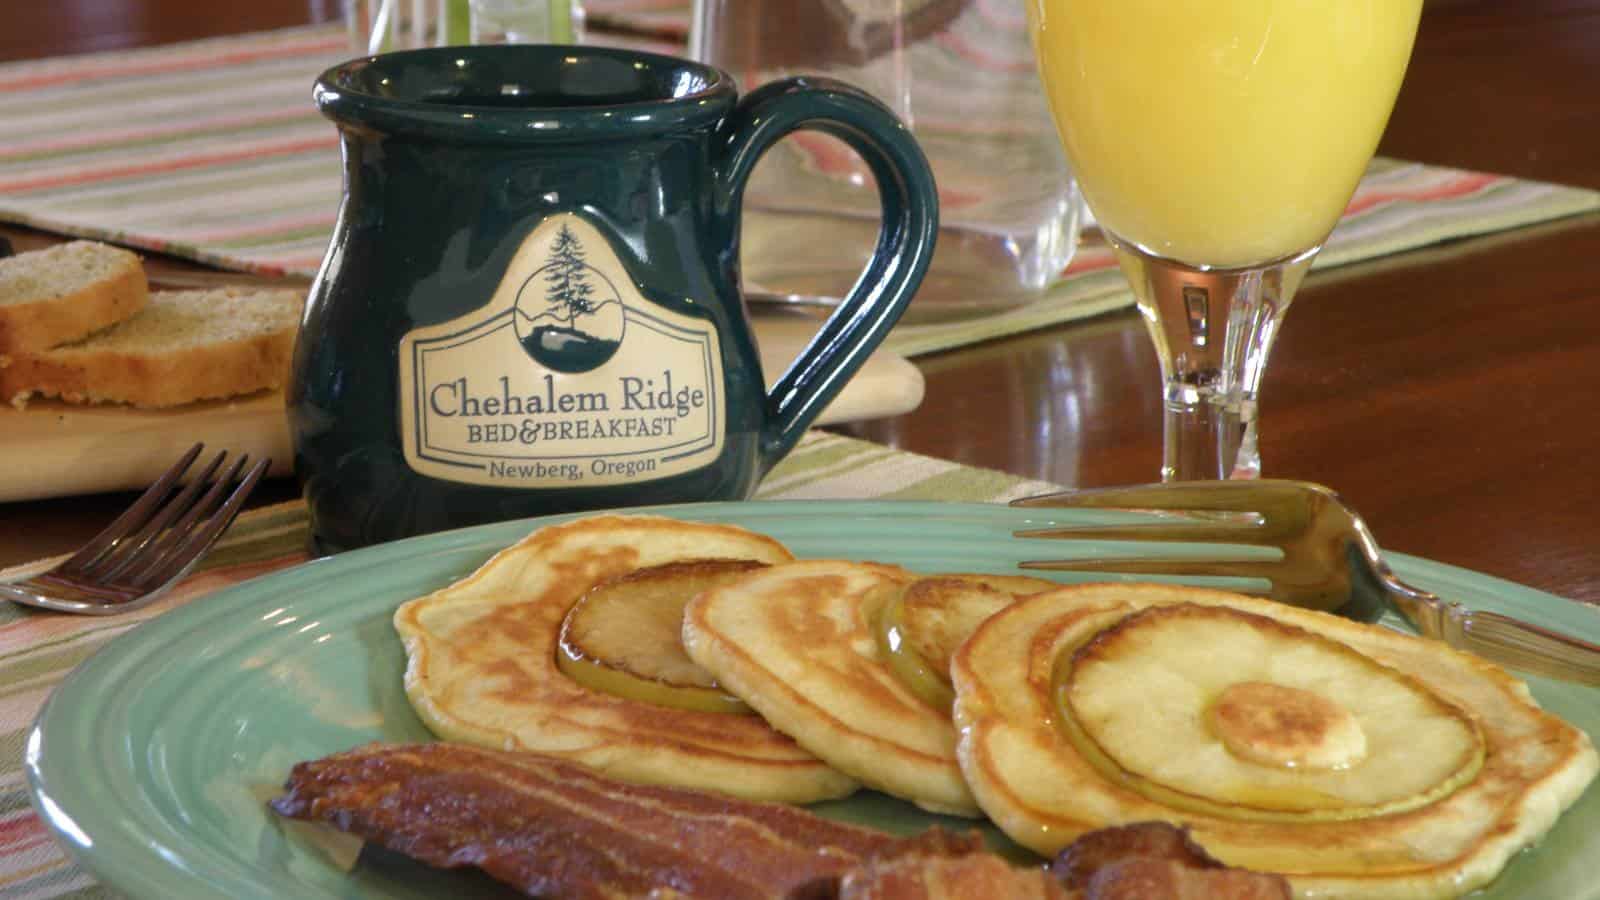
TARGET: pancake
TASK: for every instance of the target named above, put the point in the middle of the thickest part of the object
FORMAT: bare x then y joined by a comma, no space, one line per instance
482,666
1355,760
799,644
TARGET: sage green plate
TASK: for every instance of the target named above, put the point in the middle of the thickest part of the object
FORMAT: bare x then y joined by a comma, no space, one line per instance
151,759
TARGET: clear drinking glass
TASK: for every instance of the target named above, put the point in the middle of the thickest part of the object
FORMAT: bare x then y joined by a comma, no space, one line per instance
960,74
379,26
524,21
1217,142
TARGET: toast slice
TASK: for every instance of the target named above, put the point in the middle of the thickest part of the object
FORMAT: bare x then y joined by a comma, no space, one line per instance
182,347
66,292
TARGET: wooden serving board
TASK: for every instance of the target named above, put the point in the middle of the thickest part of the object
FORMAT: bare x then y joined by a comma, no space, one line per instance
53,449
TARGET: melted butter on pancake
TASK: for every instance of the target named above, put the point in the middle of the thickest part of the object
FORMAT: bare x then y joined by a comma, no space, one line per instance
482,666
1283,726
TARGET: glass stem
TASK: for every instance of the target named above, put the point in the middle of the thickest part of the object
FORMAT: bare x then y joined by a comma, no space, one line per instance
1212,329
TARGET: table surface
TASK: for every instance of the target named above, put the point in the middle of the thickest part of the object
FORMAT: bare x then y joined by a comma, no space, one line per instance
1442,392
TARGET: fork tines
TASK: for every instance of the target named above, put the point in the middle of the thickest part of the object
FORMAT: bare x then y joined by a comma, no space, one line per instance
1168,495
1187,511
1177,512
165,531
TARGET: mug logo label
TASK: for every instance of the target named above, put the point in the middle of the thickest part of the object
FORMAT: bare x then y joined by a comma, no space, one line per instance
567,377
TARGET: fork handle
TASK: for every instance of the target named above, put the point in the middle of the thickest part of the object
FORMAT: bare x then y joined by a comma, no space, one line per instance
1522,645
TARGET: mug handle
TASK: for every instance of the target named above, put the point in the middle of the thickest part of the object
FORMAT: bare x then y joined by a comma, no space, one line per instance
905,240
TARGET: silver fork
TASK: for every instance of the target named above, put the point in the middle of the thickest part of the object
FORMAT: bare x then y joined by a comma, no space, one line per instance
155,542
1330,562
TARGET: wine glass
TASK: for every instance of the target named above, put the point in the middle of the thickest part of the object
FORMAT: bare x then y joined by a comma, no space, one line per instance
1217,143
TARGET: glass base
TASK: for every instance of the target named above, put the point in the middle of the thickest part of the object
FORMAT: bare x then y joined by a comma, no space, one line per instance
1213,330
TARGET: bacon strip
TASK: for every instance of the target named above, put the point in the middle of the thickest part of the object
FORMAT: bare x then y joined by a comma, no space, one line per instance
1095,850
553,828
1164,879
975,875
1157,861
1146,861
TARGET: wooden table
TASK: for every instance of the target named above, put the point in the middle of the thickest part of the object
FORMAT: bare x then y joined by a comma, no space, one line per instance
1444,392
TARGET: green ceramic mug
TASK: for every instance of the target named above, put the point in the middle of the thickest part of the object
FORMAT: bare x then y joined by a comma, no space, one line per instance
531,303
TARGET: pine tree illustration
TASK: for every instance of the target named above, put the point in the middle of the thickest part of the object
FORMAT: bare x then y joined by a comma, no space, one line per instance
567,288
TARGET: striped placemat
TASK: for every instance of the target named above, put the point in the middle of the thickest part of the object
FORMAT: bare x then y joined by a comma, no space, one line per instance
668,19
212,150
38,649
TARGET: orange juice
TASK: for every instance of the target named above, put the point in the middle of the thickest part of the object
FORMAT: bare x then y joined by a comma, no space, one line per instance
1221,132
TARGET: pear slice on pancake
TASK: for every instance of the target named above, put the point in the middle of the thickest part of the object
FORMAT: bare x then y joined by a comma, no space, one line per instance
1355,760
625,636
483,668
799,643
920,627
1277,723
